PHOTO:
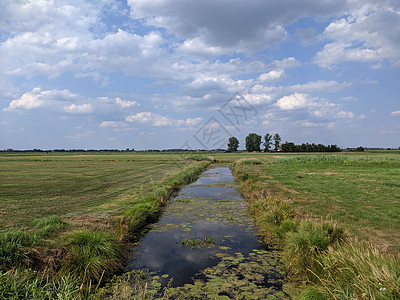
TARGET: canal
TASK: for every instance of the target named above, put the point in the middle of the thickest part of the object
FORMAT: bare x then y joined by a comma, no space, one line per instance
205,246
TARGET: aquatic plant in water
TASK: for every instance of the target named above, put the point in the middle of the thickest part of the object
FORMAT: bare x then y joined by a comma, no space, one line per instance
207,241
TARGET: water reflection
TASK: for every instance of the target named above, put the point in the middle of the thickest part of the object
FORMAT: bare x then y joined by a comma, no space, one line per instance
206,208
215,176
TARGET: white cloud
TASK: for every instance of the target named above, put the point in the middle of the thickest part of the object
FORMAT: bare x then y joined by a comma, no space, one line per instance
368,35
320,86
349,98
346,114
190,122
196,48
150,118
79,109
293,101
328,125
38,98
27,101
109,124
395,113
272,75
64,101
125,103
234,26
158,120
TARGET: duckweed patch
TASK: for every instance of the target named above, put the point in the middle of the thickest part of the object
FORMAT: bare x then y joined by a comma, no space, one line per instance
237,276
208,247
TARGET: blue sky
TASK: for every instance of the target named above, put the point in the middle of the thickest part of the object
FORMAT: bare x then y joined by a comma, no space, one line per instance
176,73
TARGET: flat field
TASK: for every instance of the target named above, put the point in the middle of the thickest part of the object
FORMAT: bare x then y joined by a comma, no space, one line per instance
79,187
358,190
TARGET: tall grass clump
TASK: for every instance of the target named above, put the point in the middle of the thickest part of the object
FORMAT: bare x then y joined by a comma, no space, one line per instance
92,255
270,214
140,214
26,284
13,248
356,270
303,246
48,225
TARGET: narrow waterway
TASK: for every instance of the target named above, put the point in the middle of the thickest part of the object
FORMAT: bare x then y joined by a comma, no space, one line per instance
205,246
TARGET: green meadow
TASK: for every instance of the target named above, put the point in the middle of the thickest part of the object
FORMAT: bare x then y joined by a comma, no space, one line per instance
358,190
71,216
79,187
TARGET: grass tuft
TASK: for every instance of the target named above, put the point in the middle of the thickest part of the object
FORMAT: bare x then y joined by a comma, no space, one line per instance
358,270
303,246
26,284
12,248
92,255
49,225
270,210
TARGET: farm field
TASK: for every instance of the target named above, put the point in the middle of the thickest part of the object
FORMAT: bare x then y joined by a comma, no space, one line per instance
79,187
97,199
359,190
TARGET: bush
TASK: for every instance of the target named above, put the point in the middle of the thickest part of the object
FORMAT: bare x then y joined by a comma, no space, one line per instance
302,247
92,255
12,244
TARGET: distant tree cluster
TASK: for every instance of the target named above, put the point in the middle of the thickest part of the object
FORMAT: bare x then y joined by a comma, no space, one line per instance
254,141
233,144
291,147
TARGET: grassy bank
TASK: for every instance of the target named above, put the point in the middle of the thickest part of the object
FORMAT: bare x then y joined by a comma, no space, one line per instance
314,206
94,201
358,190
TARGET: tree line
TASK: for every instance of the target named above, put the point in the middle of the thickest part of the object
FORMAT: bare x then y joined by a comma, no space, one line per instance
254,142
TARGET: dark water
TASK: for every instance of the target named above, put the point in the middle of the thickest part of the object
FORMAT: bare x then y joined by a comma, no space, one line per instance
209,207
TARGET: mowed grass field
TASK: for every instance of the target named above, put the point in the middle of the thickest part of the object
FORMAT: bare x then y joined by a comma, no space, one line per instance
358,190
79,187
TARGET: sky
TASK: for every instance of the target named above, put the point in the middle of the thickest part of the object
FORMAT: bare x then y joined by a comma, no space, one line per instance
162,74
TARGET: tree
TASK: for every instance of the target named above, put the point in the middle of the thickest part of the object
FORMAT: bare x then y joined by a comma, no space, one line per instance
277,141
267,142
360,149
253,142
233,144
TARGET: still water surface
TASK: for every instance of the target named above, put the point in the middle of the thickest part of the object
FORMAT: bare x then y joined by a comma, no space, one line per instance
235,266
